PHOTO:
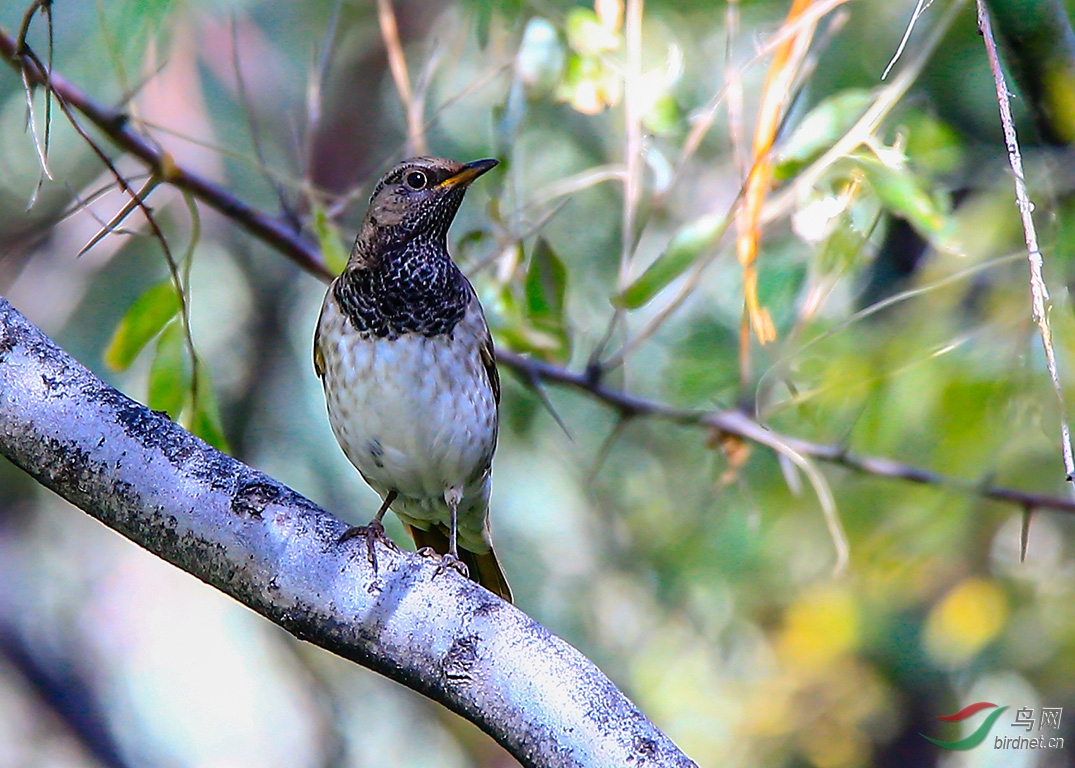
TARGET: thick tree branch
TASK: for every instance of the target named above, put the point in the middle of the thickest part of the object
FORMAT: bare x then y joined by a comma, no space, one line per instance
275,551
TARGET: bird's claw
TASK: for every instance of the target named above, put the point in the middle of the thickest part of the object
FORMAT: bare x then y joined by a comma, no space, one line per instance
372,533
453,562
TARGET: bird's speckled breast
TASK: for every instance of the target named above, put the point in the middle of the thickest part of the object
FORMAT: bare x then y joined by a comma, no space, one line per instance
414,413
415,289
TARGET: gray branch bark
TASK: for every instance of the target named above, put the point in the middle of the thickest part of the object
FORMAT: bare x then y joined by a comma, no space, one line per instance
275,551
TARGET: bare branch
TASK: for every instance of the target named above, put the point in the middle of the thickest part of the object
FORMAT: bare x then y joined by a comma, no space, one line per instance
1039,293
413,104
115,125
740,424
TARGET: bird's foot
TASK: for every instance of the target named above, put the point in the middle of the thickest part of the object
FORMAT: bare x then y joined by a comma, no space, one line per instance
453,562
446,561
372,533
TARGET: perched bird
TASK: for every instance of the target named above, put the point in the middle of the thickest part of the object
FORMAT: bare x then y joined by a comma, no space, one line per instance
409,372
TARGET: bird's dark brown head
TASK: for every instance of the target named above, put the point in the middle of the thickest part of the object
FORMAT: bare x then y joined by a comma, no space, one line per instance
416,199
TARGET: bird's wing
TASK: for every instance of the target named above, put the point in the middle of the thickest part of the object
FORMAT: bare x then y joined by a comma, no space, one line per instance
488,354
319,356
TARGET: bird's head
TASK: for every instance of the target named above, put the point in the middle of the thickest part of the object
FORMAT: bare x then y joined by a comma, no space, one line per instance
419,197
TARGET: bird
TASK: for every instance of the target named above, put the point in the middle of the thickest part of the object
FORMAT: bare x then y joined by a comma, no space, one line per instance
408,367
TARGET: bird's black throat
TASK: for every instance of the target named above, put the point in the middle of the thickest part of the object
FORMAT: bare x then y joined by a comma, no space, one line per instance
415,288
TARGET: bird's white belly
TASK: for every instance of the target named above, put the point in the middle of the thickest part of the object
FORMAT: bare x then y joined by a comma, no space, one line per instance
414,414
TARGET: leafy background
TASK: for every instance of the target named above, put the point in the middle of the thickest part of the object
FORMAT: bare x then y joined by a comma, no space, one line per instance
694,568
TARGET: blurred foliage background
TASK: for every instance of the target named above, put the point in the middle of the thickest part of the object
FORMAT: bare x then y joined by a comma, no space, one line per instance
695,568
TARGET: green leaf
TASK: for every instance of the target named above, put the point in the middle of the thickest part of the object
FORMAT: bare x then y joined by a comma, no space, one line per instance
169,377
841,249
901,192
933,147
664,116
587,35
545,288
205,421
690,242
144,320
819,130
546,283
333,250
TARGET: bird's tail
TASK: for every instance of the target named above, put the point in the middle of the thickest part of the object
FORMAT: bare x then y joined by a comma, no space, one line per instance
484,568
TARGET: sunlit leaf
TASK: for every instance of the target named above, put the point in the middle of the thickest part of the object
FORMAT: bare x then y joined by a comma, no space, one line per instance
169,377
904,194
589,85
819,130
331,241
144,320
688,244
664,117
522,338
205,421
587,35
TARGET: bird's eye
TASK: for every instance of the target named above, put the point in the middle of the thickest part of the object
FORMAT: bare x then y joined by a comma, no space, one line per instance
417,180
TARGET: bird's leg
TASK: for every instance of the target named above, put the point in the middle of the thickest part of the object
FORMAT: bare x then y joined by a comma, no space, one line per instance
451,559
373,531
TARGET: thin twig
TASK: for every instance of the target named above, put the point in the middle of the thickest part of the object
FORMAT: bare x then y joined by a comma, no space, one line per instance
112,225
632,109
28,57
740,424
397,63
82,201
632,164
116,126
920,7
255,131
733,85
783,363
196,389
1038,290
314,86
570,185
42,148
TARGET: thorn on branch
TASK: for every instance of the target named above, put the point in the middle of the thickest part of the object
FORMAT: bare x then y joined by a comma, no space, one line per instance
1024,534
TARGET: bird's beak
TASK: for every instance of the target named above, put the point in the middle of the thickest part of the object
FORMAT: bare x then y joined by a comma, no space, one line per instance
465,175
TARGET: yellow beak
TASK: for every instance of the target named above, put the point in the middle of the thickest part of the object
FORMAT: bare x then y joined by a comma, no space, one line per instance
468,173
